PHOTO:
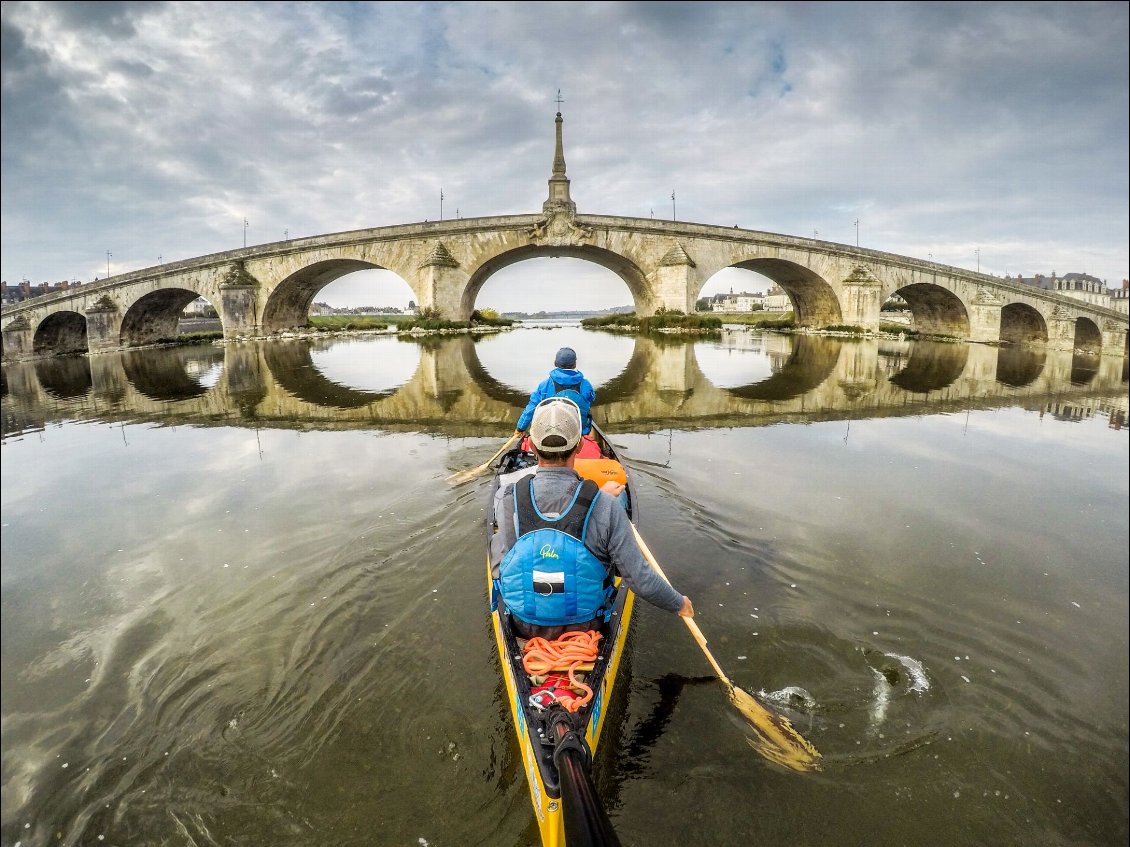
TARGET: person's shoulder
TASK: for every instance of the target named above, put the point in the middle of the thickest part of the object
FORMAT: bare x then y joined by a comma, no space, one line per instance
605,503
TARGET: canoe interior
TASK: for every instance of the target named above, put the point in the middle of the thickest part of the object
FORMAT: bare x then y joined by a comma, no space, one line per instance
531,723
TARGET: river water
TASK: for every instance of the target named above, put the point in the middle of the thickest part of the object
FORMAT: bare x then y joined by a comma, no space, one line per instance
241,605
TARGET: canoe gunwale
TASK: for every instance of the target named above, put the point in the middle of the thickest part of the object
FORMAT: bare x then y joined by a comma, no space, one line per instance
533,726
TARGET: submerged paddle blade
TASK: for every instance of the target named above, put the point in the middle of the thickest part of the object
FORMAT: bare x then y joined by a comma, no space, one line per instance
776,739
461,477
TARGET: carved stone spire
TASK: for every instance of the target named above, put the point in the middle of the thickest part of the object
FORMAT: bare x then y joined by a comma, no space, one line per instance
559,152
559,199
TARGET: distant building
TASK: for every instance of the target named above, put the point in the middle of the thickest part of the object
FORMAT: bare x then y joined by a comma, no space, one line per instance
1083,287
199,308
744,302
26,291
776,300
1118,296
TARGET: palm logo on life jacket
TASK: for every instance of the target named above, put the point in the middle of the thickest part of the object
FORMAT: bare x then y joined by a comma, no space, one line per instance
549,577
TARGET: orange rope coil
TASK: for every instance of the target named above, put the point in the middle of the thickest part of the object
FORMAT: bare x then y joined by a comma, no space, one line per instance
567,653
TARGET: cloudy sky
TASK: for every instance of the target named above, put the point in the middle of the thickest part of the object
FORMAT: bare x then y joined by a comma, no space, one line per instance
971,133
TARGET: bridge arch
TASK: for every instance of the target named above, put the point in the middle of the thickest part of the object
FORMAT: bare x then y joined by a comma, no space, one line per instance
815,302
621,265
1022,324
59,333
936,310
1088,336
154,316
288,305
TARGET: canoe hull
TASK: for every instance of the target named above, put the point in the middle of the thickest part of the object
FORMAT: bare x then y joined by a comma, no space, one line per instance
545,799
529,723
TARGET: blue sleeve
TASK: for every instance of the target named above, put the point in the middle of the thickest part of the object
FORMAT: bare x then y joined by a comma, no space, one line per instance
540,393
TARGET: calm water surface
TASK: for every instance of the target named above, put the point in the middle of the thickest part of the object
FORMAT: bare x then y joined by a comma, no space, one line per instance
241,605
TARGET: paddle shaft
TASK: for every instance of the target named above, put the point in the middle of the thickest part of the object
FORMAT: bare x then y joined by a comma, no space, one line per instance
691,625
585,820
501,450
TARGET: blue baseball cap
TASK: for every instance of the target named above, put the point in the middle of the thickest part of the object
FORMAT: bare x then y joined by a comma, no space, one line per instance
566,358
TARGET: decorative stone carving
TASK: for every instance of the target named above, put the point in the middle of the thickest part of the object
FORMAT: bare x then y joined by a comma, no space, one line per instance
1060,313
440,257
103,304
676,256
985,296
238,277
559,229
860,275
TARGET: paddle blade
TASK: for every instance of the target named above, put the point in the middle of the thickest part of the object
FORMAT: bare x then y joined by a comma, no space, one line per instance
776,738
461,477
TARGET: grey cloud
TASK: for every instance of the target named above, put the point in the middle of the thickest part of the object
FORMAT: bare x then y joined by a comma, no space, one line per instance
109,17
926,118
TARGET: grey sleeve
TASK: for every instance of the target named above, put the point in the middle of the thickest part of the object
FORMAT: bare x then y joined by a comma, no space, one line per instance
613,535
503,539
503,505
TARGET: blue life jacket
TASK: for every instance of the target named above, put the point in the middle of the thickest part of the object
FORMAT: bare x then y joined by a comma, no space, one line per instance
549,577
573,394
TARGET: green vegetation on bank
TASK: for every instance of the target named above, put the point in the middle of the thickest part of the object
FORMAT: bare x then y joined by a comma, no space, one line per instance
428,320
193,338
662,321
765,320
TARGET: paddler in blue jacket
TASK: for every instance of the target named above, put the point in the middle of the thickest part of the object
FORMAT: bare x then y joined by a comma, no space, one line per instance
564,381
559,539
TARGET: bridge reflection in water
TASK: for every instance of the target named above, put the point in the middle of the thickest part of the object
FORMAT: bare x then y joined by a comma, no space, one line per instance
663,385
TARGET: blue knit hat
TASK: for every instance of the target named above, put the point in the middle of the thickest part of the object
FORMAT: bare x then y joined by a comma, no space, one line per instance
566,358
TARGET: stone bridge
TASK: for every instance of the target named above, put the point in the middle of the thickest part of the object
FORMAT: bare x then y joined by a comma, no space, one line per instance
278,384
262,290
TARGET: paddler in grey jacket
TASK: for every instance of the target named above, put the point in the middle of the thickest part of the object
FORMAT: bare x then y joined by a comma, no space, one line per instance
555,434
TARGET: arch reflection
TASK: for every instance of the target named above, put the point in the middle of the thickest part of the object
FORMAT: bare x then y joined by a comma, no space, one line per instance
1083,368
291,364
278,383
932,366
803,368
1019,366
171,374
64,377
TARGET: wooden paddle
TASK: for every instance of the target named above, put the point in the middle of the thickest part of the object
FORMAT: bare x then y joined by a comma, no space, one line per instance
461,477
776,739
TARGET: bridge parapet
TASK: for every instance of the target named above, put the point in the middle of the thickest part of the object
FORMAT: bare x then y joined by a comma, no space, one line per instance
664,264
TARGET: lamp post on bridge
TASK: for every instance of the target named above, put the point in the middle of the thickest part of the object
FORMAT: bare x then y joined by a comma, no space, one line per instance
673,205
108,255
977,253
857,232
245,232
